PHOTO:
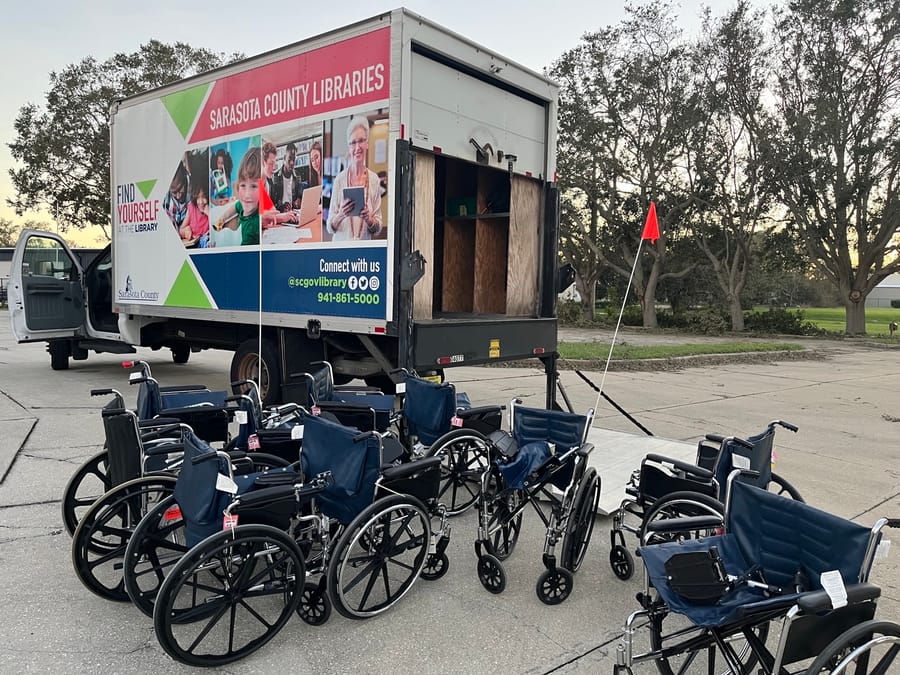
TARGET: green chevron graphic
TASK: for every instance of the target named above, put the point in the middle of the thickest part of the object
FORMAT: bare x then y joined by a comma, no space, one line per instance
183,106
187,291
146,187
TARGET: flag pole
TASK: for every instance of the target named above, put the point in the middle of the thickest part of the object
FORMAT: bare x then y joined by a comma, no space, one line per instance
650,231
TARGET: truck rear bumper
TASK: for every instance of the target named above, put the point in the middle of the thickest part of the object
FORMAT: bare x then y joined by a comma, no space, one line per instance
454,342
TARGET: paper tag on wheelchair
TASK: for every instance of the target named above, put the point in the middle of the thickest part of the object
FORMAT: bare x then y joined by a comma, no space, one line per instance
225,484
172,513
253,442
833,584
882,550
240,416
296,432
740,462
401,388
136,375
456,421
229,522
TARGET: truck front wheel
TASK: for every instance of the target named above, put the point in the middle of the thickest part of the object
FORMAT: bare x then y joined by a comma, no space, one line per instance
265,371
59,354
181,353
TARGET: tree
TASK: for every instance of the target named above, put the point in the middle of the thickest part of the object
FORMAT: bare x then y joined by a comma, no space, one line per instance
837,157
728,178
9,232
63,148
623,116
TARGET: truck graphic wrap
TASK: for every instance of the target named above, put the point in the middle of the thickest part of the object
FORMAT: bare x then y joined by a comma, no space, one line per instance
285,165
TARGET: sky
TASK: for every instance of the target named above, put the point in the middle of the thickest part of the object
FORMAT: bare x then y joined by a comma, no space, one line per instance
37,38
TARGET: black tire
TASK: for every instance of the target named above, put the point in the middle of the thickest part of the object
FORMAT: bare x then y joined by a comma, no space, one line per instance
503,527
87,485
59,354
252,576
255,462
861,636
580,525
491,574
435,567
379,556
554,586
780,486
680,505
702,643
464,458
102,535
315,606
621,561
265,371
181,353
155,547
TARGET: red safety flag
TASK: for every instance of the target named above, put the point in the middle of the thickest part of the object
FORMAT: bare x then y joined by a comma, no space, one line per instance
265,201
651,227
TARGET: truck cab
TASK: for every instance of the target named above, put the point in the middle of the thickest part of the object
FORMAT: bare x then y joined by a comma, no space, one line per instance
55,297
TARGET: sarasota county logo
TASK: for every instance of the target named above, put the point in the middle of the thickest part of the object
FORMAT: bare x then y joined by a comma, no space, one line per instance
129,293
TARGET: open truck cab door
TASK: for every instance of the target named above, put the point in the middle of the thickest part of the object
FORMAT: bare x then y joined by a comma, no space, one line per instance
53,298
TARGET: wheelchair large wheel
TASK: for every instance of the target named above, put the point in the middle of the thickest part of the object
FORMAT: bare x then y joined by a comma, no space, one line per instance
258,461
780,486
680,505
870,647
102,535
229,595
503,526
464,458
580,525
156,545
379,556
87,485
695,650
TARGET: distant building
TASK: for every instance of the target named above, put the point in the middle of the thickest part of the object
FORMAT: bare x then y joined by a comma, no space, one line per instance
883,293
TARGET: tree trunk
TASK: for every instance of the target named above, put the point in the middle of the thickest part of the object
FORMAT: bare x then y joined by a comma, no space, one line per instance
648,302
856,316
737,314
589,301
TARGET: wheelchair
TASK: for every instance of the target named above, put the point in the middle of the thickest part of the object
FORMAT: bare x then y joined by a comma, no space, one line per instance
543,457
712,603
669,488
355,535
142,466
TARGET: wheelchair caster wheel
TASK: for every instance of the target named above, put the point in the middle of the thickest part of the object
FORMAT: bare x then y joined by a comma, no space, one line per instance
314,607
435,567
554,586
491,574
621,562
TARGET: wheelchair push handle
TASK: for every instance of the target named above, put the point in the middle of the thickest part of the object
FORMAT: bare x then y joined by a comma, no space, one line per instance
104,392
786,425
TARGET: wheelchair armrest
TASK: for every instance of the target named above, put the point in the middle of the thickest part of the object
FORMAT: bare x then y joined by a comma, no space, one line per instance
684,524
163,449
266,496
409,469
265,480
183,387
585,449
690,469
357,389
478,411
815,602
715,438
157,422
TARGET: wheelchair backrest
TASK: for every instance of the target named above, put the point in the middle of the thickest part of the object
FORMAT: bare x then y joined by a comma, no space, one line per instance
734,456
428,408
123,443
786,536
320,385
565,429
354,466
201,505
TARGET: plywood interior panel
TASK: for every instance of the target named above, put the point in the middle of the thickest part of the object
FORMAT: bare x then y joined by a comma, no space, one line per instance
423,235
458,273
490,266
524,242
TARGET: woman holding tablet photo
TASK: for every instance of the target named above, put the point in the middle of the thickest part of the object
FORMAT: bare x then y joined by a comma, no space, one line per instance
355,212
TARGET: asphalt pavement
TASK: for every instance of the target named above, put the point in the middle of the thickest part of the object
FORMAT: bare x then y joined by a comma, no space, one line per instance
845,459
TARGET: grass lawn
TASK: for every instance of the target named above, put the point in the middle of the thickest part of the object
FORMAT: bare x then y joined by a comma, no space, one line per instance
833,319
594,351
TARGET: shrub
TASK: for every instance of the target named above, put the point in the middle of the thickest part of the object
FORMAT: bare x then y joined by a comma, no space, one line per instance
778,320
895,304
709,321
569,312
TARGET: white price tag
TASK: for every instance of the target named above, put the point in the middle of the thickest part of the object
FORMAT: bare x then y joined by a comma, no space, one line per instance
884,547
833,584
740,462
225,484
297,432
401,387
240,416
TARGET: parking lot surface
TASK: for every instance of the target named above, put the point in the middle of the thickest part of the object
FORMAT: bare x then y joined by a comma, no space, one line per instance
845,459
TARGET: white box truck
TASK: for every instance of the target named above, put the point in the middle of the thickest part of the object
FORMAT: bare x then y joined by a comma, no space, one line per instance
379,196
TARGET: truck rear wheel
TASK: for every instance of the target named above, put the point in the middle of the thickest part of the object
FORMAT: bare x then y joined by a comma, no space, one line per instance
265,371
181,353
59,354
